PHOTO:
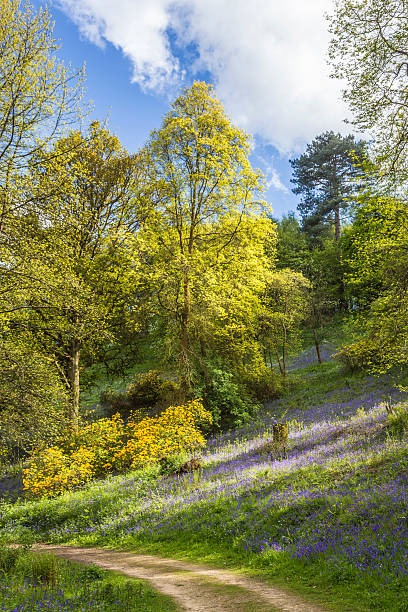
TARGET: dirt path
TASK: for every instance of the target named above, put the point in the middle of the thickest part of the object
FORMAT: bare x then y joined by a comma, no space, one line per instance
196,588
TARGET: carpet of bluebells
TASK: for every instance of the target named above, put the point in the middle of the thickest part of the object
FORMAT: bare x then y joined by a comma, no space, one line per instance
27,597
340,499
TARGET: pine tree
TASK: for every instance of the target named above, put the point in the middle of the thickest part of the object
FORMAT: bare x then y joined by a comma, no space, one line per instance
326,177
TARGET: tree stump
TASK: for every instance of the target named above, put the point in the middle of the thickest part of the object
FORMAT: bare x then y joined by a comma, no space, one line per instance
280,441
189,466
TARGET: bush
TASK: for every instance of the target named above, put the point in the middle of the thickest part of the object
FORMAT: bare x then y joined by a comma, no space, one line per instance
170,465
359,355
38,568
52,471
147,395
8,559
398,421
174,432
263,384
228,402
33,401
108,445
104,438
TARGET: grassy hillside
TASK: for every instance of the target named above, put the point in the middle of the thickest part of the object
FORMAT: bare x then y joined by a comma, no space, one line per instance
331,519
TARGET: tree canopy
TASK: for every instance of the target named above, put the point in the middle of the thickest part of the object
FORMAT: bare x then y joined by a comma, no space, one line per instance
368,51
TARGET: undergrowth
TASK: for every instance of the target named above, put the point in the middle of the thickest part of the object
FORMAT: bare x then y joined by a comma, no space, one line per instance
37,582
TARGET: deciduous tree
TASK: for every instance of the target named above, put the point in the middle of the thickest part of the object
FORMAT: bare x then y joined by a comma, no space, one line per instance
86,224
369,52
39,96
207,188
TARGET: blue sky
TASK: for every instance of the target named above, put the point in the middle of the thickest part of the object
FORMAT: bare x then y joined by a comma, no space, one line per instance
265,60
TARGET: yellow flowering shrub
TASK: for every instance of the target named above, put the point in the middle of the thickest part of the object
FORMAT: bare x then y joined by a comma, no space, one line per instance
105,437
174,431
109,445
51,471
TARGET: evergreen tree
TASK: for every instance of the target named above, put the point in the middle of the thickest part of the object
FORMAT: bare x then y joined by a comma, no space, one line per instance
326,177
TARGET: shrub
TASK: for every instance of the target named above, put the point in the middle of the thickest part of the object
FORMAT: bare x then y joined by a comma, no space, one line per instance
170,465
263,384
38,568
151,392
8,559
359,355
109,445
32,401
175,431
398,421
148,395
103,438
52,471
228,402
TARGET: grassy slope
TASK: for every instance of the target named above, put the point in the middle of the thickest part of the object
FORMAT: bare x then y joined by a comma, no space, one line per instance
330,522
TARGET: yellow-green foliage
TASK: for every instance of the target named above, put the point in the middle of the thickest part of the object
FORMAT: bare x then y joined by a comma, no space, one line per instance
361,354
148,394
105,438
173,432
109,445
53,471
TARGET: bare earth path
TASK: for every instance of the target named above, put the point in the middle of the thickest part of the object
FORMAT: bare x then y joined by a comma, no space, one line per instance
195,588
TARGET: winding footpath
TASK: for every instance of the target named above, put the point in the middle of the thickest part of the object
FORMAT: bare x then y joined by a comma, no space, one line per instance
195,588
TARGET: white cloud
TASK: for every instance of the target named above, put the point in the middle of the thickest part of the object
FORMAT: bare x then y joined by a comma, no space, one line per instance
274,180
264,160
137,27
266,57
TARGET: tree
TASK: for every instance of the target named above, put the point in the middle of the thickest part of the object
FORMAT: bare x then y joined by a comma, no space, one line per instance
32,398
368,51
325,176
38,95
285,308
377,278
292,249
205,185
85,214
39,98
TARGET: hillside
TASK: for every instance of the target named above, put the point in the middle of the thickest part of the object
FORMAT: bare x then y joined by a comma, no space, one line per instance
330,519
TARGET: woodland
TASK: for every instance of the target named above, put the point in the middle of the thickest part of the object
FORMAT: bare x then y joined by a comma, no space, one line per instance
158,323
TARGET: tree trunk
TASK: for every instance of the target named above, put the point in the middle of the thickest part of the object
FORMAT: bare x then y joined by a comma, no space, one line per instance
317,345
280,441
284,351
74,380
337,224
279,361
184,357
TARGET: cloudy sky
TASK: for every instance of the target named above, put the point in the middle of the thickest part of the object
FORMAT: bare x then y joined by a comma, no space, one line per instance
266,59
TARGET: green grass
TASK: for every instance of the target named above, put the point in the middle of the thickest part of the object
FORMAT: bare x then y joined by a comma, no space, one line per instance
337,331
336,590
32,581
